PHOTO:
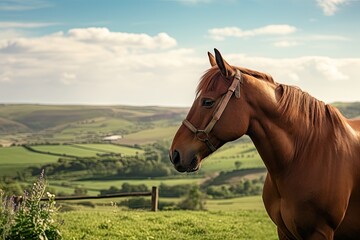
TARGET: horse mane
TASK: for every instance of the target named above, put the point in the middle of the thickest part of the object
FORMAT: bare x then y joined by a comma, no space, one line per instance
314,119
256,74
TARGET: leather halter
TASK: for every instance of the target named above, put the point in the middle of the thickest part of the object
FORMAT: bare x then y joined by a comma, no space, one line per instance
203,135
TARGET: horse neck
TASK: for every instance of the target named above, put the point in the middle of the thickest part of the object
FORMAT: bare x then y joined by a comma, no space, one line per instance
270,133
273,141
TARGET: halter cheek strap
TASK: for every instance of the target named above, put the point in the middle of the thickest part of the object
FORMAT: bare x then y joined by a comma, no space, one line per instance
203,135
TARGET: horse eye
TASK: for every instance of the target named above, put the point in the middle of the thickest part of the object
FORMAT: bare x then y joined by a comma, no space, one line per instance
207,102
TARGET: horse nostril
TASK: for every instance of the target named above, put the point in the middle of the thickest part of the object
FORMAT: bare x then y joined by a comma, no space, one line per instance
176,157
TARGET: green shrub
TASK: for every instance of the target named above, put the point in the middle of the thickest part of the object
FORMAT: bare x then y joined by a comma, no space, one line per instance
194,200
28,217
173,191
143,203
219,192
136,203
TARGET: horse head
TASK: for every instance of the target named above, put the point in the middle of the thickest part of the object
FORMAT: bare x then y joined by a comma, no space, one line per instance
220,113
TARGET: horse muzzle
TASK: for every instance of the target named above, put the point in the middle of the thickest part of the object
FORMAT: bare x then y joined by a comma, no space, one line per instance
184,166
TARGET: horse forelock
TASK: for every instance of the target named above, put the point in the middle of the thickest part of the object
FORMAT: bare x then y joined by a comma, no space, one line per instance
208,80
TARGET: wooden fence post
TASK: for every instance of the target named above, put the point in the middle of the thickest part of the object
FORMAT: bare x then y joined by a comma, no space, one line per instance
154,199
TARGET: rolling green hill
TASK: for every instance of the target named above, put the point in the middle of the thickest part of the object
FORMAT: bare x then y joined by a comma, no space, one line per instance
73,123
8,126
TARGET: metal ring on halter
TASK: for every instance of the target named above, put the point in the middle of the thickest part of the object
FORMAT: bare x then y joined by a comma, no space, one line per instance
200,133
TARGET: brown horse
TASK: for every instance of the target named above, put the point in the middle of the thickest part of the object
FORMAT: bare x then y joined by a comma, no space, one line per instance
311,152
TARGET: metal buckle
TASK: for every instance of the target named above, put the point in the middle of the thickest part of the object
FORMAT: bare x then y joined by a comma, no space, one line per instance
202,136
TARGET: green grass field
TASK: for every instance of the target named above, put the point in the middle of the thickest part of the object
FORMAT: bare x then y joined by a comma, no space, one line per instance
19,155
238,218
149,135
88,150
98,124
66,149
106,148
91,128
167,225
13,159
234,204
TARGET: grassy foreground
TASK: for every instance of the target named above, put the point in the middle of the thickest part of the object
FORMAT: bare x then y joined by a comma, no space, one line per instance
179,225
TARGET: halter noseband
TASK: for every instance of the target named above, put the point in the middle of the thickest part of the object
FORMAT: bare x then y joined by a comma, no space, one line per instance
203,135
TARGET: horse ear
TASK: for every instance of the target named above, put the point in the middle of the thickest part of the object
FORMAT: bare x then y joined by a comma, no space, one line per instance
211,59
225,68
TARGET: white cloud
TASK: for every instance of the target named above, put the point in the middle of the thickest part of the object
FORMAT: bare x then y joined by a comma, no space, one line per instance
222,33
293,77
68,78
330,69
97,66
103,35
329,7
285,44
5,76
10,33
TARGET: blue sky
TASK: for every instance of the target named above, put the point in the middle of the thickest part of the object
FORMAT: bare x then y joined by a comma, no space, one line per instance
152,52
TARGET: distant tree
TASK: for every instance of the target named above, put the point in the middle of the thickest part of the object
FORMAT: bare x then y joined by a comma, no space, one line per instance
136,203
111,190
173,191
195,200
126,187
79,191
219,192
238,165
247,185
151,155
